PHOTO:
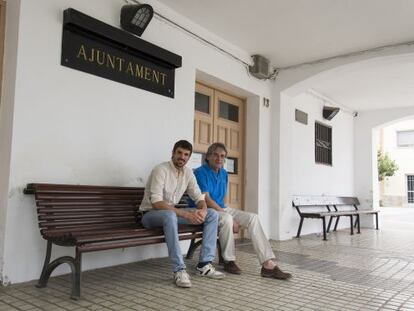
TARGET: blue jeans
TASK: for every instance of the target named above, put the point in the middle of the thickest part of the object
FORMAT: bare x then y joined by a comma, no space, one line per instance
169,221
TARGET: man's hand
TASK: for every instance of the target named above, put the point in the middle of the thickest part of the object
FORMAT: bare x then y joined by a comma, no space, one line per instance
202,212
194,217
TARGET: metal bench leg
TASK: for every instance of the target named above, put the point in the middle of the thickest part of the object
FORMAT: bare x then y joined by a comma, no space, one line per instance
324,228
44,276
358,221
48,267
336,223
193,247
76,276
376,220
329,223
300,227
220,254
351,218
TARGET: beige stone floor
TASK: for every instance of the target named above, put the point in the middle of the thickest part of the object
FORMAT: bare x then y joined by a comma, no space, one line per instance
373,270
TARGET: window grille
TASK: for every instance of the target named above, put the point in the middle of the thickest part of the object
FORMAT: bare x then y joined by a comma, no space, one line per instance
323,144
410,188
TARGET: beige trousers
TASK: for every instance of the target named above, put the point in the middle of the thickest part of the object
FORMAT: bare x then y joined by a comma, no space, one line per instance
249,221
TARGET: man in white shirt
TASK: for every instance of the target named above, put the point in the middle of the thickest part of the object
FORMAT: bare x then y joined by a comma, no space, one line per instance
165,186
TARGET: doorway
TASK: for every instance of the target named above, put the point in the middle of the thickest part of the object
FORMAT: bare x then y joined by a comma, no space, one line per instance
220,117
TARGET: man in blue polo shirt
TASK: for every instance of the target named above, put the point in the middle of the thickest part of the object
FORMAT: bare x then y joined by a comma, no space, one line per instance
213,180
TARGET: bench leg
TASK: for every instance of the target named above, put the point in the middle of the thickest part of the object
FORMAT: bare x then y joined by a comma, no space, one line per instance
336,223
358,221
324,228
44,276
192,248
300,227
76,276
351,218
329,223
48,267
376,221
220,255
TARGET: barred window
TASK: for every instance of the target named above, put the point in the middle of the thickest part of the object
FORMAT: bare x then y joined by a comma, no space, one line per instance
323,144
410,188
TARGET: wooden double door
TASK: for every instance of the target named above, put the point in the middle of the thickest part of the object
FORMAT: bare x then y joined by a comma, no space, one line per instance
219,117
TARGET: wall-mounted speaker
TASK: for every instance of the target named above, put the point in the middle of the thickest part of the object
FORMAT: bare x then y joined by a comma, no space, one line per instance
329,112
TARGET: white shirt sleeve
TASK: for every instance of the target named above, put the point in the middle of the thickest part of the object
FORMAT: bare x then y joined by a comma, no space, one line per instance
157,185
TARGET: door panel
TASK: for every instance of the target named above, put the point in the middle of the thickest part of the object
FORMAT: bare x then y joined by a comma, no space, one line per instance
203,117
219,117
228,125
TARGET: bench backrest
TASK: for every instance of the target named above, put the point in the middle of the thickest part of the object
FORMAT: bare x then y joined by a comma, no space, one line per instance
314,200
63,208
73,208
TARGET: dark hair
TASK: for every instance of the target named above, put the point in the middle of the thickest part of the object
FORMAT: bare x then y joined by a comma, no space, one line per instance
213,148
184,145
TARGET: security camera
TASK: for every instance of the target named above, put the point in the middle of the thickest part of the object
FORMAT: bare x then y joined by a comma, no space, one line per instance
355,114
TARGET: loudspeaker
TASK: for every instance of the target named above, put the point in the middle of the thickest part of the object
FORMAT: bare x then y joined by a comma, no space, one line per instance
329,112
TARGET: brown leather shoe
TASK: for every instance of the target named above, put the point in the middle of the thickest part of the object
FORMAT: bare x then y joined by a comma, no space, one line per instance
231,267
275,273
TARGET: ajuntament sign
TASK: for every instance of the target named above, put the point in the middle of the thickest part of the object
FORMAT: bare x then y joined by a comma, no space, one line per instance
94,47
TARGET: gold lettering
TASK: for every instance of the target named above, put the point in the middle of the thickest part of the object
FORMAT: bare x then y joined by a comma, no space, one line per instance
92,58
110,61
156,76
129,69
163,75
147,73
121,61
100,60
139,71
82,52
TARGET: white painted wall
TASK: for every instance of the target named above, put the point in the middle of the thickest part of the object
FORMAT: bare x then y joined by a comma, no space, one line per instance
309,178
395,186
73,127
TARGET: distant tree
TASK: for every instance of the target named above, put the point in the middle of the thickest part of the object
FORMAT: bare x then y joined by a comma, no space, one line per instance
386,166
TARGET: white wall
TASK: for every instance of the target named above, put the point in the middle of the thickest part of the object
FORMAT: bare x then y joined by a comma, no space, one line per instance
73,127
309,178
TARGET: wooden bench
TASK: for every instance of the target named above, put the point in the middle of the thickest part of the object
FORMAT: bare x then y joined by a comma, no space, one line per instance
321,207
94,218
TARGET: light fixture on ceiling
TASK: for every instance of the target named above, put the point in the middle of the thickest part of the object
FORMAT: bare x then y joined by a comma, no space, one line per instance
136,17
329,112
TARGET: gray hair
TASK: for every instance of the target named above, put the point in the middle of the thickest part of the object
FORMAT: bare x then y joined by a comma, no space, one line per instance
213,148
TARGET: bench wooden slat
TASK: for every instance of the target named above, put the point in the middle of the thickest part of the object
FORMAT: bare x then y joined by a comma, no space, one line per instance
84,238
79,230
98,215
92,247
73,209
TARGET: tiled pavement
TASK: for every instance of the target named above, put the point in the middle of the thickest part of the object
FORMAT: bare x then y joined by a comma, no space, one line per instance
370,271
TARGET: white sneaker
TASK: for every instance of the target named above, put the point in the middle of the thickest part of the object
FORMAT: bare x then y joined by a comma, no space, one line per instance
210,272
182,279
